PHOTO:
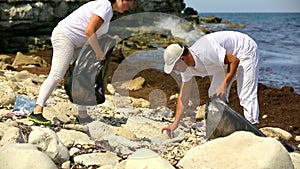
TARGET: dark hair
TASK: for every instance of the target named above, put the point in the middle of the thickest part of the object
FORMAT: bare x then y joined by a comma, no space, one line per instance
185,50
113,1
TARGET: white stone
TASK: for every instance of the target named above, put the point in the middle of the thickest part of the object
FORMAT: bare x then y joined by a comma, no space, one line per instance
111,89
73,151
48,141
66,165
145,158
297,138
276,132
107,158
238,150
12,135
99,130
24,156
7,94
296,160
71,137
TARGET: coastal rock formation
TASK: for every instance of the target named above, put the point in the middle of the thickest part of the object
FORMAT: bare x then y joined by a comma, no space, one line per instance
28,24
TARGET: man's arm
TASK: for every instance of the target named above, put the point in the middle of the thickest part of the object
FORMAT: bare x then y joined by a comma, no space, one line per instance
233,63
182,102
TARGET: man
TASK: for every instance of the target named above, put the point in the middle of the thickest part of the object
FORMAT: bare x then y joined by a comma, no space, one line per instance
224,56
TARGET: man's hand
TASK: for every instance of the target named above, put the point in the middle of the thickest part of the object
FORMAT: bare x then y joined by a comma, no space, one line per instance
221,91
170,129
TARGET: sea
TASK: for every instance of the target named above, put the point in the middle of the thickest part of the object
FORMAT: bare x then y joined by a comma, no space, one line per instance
278,39
277,36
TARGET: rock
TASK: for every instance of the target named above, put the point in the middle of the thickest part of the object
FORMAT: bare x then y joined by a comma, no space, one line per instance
12,135
238,150
6,59
211,19
296,160
140,103
99,130
143,127
24,156
97,159
297,138
111,89
121,144
46,140
71,138
61,112
190,11
136,83
276,132
200,115
145,158
7,95
25,60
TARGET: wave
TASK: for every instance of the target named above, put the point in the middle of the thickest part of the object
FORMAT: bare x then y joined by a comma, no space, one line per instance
176,27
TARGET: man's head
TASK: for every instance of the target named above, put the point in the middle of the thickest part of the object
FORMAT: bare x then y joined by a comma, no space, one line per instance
174,57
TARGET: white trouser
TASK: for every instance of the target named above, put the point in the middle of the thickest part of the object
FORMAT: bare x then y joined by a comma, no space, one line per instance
64,53
247,84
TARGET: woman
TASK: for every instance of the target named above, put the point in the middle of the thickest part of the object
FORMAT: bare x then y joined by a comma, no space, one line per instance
88,22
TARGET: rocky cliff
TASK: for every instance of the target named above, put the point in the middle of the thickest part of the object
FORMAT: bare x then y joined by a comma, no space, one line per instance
27,22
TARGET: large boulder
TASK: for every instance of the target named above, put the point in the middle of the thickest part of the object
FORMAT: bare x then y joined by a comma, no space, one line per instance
24,156
238,150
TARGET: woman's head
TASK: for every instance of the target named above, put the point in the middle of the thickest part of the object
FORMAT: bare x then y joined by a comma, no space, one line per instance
121,5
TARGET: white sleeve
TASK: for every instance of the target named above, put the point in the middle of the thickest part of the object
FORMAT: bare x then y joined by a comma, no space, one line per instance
105,12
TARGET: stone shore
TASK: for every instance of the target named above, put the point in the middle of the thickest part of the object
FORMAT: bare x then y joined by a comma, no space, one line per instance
126,133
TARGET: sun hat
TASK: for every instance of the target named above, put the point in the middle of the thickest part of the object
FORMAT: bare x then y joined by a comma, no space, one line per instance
171,55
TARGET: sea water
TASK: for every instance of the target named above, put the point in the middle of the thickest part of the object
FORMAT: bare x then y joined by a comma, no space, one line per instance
277,36
278,39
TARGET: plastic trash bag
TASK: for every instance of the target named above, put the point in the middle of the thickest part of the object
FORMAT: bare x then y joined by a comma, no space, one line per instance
85,80
24,104
221,120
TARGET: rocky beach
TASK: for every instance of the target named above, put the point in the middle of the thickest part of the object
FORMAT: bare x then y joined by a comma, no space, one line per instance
126,132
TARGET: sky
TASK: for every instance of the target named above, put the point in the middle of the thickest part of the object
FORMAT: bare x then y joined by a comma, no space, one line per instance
203,6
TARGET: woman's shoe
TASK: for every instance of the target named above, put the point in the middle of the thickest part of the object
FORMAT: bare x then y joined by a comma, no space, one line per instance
39,119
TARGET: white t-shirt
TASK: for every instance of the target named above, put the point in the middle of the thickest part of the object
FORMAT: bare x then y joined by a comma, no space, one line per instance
74,25
209,52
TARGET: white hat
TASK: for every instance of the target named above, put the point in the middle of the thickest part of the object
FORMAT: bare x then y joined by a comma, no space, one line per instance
171,56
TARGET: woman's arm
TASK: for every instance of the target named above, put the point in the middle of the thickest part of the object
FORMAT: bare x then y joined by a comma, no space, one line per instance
90,31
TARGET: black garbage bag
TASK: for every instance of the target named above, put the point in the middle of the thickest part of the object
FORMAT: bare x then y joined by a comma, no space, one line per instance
221,120
84,82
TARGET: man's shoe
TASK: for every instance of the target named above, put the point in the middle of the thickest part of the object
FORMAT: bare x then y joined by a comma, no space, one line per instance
39,119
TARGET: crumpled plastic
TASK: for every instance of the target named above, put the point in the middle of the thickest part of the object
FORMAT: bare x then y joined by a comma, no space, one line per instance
23,106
